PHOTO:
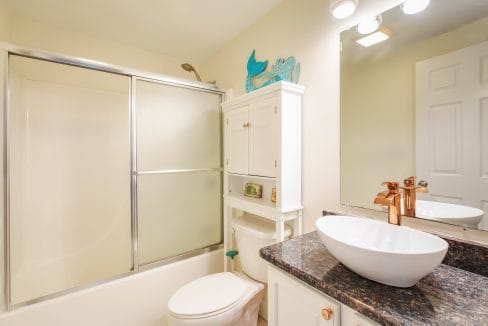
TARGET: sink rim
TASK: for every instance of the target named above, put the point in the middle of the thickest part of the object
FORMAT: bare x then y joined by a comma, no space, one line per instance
455,214
439,243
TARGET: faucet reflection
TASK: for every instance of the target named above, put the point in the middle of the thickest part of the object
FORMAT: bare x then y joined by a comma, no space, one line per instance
409,195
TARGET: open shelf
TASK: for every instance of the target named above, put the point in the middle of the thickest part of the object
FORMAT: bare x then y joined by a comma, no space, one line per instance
248,176
257,206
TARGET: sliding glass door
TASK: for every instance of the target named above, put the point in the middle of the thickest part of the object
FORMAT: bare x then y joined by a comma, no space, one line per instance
179,195
69,164
105,172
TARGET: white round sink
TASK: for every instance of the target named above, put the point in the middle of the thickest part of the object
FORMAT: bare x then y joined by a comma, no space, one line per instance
385,253
449,213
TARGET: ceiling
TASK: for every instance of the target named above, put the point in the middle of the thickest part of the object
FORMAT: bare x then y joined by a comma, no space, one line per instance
189,29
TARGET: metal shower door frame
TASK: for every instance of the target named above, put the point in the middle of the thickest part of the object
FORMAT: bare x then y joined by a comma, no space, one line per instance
134,75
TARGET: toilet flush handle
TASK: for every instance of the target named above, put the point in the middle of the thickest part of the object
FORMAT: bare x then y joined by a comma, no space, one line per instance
232,254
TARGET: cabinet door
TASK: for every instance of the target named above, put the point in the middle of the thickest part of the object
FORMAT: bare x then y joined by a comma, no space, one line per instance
292,303
262,138
350,317
237,140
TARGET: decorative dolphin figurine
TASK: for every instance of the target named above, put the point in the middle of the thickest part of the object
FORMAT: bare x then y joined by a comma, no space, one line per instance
283,69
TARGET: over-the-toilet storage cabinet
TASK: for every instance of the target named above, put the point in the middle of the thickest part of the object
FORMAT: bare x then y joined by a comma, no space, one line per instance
262,144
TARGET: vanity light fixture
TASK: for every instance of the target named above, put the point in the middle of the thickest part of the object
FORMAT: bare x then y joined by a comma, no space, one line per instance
342,8
372,39
370,25
411,7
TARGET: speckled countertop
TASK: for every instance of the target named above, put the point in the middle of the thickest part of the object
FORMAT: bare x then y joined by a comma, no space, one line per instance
447,296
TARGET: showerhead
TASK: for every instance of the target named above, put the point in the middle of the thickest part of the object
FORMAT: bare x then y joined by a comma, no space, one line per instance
188,67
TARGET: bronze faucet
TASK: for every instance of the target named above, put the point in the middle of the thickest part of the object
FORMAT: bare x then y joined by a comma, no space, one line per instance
390,199
409,195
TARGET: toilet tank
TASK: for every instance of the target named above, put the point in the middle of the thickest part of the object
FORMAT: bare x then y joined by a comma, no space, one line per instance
253,233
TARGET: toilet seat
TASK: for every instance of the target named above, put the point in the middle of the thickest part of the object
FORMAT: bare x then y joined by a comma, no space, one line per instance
208,296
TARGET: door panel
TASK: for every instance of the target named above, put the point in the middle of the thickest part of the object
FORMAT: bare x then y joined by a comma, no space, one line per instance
177,128
262,138
178,213
452,126
292,303
69,177
237,140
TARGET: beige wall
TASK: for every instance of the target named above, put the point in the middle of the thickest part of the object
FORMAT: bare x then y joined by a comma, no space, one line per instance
4,26
37,35
3,56
378,114
306,30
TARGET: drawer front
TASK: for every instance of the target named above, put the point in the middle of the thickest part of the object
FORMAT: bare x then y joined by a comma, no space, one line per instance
294,303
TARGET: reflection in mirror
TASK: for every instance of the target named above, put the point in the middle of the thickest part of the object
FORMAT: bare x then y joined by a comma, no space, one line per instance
414,102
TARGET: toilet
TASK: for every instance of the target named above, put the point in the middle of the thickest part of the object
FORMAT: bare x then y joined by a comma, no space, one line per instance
229,299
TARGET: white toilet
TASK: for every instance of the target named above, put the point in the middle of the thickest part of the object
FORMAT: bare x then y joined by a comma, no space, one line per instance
228,299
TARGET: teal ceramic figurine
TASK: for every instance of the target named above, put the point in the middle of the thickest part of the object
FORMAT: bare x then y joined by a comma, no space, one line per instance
283,69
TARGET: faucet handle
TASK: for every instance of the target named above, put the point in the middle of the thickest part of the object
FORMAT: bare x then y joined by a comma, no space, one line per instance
423,183
392,186
409,182
422,186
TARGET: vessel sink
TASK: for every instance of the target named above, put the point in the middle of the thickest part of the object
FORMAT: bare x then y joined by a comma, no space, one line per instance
385,253
449,213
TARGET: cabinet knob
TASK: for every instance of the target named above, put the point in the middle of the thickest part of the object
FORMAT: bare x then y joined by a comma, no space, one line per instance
246,125
326,313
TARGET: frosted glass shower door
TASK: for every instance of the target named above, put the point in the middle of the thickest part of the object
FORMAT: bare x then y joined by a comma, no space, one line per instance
69,138
179,188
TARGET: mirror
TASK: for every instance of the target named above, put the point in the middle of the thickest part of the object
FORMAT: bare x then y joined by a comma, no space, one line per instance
416,104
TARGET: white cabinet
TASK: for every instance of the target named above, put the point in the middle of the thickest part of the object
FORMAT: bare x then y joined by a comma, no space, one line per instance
263,145
250,133
292,302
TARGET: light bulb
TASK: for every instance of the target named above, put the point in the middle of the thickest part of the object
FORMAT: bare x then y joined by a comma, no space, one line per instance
411,7
369,26
343,8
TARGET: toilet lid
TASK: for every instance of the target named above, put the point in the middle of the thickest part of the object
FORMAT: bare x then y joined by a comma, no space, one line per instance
207,294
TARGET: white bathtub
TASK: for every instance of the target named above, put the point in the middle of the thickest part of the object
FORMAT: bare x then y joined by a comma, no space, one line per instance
135,300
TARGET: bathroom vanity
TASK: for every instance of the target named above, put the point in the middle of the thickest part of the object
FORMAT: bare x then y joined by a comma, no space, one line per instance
308,286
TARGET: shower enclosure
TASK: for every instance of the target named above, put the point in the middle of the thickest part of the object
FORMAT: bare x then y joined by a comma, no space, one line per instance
108,172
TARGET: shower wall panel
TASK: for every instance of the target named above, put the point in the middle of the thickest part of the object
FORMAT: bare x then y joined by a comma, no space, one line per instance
69,160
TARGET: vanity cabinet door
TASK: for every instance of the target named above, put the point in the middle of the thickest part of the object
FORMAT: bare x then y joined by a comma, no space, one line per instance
237,140
350,317
292,303
262,138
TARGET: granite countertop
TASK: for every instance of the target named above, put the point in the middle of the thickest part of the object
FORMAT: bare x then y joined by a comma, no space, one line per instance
447,296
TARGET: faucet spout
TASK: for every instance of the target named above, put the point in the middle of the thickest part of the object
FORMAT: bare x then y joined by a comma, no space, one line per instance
382,198
390,199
